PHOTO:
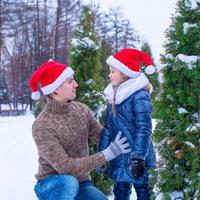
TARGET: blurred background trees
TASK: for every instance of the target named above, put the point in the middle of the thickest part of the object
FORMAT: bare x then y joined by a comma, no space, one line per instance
32,32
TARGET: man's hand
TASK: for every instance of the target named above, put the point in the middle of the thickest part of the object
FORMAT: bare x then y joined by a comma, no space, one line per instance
136,166
116,148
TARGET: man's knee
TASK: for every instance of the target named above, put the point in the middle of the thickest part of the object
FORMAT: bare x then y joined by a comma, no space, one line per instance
57,186
67,187
67,180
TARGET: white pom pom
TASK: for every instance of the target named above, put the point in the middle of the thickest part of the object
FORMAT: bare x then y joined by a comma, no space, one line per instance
50,60
35,95
150,69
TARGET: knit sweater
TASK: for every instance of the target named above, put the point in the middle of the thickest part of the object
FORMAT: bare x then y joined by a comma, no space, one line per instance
61,133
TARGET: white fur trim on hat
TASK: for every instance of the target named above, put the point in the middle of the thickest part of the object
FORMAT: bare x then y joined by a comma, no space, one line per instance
68,72
121,67
150,69
35,95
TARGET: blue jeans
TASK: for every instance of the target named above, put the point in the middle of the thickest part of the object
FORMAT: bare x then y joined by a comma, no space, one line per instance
66,187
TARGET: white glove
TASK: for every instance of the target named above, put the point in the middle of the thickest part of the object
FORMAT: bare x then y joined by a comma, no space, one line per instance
116,148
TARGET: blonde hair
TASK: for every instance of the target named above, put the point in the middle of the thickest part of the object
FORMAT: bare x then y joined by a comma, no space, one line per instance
149,88
114,96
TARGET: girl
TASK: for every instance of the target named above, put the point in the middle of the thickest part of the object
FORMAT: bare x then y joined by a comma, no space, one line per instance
129,111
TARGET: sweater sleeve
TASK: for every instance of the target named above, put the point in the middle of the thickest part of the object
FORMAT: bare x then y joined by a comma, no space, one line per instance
143,127
51,150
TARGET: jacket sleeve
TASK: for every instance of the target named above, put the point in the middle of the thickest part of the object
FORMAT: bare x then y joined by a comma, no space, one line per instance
106,135
51,150
143,127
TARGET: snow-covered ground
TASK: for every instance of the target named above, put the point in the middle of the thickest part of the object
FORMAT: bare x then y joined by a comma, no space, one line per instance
18,157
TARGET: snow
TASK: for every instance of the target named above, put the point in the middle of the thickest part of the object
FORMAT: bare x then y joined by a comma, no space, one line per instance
196,117
189,60
5,107
197,125
182,111
160,196
196,195
192,4
192,128
186,26
170,56
18,156
84,43
176,195
190,144
90,81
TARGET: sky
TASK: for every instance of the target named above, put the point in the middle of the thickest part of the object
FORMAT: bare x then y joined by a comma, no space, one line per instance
149,17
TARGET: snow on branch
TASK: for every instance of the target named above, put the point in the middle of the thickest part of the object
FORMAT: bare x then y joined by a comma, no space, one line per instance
189,60
186,26
85,43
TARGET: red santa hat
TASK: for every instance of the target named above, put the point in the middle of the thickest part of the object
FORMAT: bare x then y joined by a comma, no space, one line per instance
50,75
128,62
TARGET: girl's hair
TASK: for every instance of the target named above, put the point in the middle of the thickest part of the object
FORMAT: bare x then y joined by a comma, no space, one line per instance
149,88
114,96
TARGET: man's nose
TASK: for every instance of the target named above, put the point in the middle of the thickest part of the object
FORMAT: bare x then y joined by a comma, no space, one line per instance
75,84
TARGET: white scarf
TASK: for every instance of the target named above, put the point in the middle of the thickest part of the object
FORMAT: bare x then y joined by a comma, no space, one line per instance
126,89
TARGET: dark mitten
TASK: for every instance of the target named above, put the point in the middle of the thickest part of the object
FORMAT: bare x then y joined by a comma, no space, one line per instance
136,166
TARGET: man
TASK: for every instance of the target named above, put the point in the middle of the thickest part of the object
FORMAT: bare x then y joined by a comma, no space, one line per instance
61,133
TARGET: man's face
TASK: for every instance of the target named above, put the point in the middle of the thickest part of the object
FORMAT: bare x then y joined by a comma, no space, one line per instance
67,91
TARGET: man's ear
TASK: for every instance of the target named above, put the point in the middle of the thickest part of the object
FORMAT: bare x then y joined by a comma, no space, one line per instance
56,91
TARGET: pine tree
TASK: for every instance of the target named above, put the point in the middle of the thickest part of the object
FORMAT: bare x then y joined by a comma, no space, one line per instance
178,130
106,51
86,64
153,78
85,60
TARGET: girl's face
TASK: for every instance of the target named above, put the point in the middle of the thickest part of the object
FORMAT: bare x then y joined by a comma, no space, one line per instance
116,77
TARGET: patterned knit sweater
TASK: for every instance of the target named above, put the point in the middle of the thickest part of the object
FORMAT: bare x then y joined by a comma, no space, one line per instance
61,133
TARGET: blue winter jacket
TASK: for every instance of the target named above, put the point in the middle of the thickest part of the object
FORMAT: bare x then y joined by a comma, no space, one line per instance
133,119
